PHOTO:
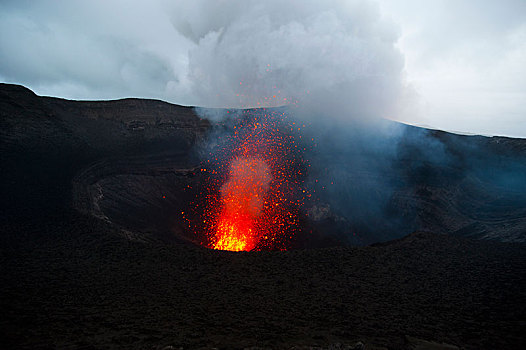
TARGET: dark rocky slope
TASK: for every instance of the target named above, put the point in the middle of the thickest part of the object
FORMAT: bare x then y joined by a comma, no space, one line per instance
58,154
133,162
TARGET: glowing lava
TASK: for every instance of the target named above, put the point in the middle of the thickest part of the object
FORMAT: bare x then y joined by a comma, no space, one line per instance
252,188
242,199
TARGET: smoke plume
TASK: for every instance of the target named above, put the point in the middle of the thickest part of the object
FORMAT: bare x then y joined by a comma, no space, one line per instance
333,63
305,53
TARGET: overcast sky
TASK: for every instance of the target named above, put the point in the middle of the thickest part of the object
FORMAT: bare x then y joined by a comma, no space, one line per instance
455,65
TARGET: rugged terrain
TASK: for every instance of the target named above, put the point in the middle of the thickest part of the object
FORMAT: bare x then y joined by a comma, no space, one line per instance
136,163
94,254
76,283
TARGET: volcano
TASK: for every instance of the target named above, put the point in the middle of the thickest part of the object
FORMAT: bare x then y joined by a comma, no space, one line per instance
110,208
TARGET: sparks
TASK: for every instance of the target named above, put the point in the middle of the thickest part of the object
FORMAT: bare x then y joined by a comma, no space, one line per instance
242,204
254,185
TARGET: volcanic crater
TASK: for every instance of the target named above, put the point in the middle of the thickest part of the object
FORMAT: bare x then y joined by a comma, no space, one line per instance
97,251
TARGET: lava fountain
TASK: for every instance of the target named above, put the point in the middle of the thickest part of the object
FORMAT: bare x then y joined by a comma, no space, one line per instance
242,199
253,184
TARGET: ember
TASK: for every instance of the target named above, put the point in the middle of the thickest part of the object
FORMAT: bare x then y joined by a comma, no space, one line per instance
254,189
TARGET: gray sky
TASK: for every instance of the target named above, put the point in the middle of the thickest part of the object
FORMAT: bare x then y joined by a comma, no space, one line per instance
455,65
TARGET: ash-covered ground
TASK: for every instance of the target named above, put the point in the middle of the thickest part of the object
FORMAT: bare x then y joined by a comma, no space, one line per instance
93,256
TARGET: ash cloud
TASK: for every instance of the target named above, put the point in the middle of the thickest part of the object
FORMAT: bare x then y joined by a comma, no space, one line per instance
337,54
464,58
208,53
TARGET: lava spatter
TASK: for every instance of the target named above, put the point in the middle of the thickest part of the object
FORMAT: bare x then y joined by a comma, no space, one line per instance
242,198
254,185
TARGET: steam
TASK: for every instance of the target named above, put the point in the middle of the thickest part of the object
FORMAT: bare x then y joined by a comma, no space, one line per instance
464,58
305,53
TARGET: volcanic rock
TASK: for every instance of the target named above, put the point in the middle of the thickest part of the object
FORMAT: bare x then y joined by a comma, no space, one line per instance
136,163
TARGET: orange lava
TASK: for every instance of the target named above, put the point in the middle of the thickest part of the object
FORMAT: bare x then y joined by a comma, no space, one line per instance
242,199
252,189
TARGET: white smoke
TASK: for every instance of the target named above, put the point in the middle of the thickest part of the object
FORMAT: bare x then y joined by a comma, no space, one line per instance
308,53
463,57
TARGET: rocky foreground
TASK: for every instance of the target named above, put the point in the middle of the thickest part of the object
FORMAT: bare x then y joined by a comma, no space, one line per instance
76,283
